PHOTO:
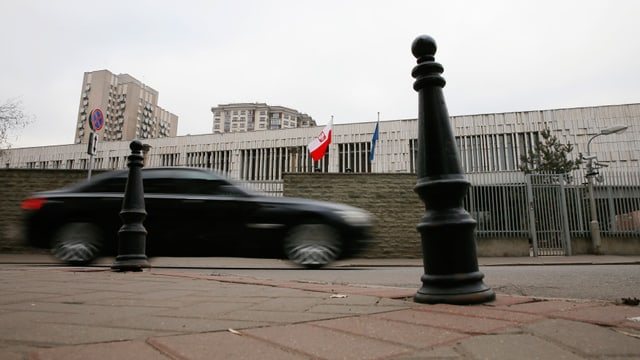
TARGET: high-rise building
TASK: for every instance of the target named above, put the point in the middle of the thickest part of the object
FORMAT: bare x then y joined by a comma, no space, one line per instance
257,116
130,109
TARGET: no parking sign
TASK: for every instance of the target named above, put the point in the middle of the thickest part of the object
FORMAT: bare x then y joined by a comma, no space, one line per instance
96,120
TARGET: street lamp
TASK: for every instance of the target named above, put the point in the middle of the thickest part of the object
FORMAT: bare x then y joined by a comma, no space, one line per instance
591,172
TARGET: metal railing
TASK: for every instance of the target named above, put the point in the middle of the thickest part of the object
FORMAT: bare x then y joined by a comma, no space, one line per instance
515,204
267,187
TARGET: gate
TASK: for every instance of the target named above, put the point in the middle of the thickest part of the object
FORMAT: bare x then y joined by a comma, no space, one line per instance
548,217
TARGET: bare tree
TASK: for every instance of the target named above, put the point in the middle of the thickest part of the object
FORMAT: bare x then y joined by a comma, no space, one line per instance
12,117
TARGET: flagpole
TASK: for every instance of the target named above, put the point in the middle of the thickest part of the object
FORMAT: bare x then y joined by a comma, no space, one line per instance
328,146
377,128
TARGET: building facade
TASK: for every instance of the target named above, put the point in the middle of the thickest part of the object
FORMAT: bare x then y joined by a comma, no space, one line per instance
241,117
130,109
487,143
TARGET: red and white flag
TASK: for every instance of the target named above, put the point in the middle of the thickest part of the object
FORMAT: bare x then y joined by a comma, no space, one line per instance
318,146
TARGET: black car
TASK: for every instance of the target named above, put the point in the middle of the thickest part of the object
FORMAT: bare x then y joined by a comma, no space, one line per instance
193,212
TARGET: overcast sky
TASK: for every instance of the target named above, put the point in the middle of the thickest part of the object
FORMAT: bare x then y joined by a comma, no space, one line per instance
349,59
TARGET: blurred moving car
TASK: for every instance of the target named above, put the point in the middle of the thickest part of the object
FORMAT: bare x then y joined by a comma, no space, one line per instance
193,212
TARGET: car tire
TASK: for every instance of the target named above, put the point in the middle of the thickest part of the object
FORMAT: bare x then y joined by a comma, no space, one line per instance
77,243
312,245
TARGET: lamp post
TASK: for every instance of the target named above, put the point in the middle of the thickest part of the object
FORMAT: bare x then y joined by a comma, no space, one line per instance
594,226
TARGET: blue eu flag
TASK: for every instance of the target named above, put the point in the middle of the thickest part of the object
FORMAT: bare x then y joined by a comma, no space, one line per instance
374,140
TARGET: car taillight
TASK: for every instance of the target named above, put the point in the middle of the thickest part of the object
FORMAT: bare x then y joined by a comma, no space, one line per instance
33,203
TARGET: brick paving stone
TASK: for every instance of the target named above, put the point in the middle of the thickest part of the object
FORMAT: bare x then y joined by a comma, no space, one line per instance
221,345
159,303
94,315
447,321
32,332
286,304
400,333
277,317
182,325
83,296
326,343
605,314
11,297
11,354
545,307
481,311
588,339
206,310
508,300
439,353
350,309
107,351
513,346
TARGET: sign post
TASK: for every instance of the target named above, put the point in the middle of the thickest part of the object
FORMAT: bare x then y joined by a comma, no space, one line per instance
96,122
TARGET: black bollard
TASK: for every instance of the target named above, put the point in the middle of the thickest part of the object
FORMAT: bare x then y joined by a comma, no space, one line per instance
451,273
132,235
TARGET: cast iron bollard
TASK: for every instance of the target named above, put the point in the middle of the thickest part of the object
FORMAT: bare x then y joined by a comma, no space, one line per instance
451,273
132,235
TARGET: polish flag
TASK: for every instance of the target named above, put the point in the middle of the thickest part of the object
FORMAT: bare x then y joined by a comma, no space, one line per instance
318,146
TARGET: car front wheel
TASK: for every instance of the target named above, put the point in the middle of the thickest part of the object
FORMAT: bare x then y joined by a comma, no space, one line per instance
312,245
77,243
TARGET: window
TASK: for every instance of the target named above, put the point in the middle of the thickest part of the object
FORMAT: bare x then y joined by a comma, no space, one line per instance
113,185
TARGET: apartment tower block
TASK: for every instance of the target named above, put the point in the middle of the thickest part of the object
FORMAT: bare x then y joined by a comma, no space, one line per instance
130,109
240,117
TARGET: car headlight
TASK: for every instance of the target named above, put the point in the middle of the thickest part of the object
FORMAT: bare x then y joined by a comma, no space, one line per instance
356,217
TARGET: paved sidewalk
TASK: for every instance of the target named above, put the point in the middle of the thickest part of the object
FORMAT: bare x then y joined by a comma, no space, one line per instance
52,312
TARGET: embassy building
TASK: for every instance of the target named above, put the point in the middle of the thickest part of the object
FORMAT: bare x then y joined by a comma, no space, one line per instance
487,143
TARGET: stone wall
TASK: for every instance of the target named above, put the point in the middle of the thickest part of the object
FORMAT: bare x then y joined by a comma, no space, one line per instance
15,186
390,197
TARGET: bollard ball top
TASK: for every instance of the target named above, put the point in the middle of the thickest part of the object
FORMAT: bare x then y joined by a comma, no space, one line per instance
423,45
136,145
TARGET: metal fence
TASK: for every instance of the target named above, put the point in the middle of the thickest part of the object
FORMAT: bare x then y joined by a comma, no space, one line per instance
552,209
268,187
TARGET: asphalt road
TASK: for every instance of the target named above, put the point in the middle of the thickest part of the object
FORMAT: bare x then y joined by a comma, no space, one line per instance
585,281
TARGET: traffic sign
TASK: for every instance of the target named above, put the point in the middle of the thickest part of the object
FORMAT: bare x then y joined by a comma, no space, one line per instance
92,149
96,120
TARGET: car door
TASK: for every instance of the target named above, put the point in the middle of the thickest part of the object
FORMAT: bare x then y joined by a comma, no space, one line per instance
217,213
194,216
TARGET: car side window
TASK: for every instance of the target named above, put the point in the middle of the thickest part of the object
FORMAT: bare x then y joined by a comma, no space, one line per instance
160,186
189,187
112,185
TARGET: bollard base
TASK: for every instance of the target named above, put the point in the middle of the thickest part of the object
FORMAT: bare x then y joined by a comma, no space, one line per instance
130,263
459,289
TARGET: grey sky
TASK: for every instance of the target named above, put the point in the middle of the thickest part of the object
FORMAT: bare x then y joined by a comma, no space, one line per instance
349,59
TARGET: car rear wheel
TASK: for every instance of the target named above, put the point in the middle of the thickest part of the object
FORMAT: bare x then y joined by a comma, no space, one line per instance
312,245
77,243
